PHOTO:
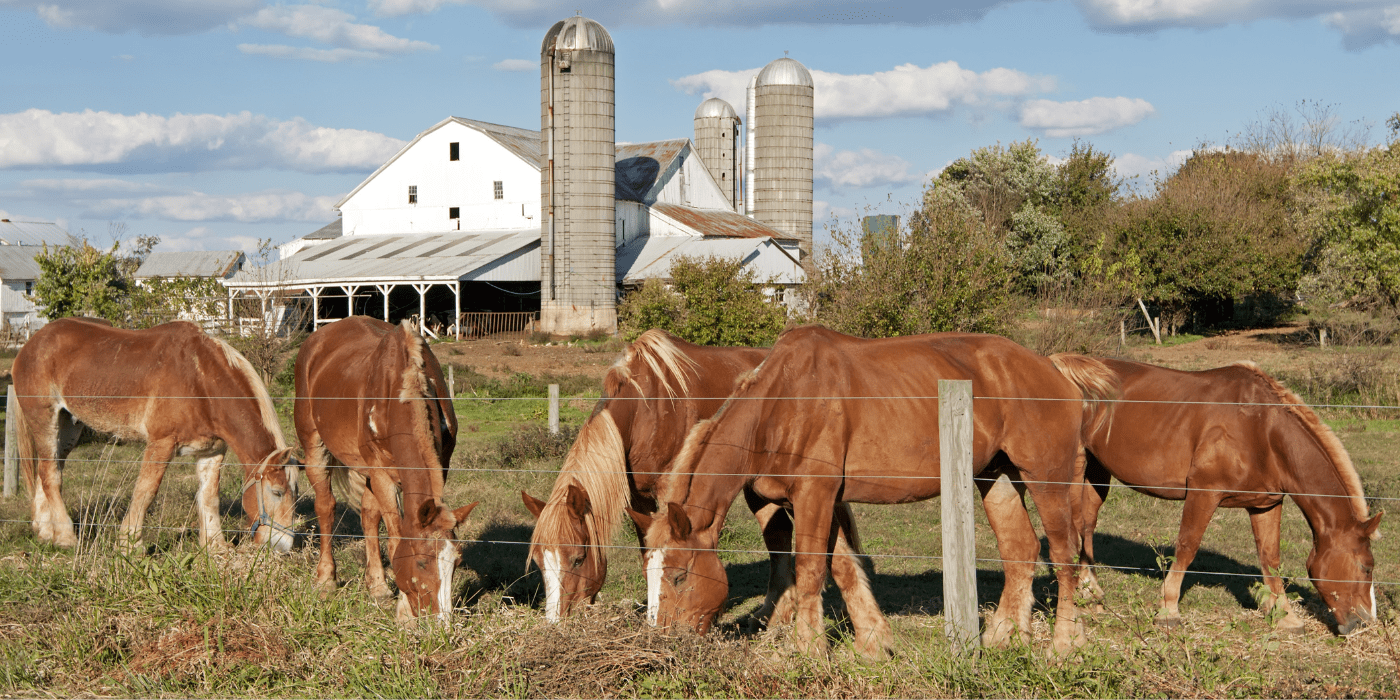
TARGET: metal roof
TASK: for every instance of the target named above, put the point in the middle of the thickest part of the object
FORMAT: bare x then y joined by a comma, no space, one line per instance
577,34
327,232
639,165
35,233
17,262
421,257
785,71
715,107
218,264
721,223
651,257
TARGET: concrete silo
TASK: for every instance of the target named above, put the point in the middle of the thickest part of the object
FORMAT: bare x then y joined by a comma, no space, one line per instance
717,141
578,282
782,149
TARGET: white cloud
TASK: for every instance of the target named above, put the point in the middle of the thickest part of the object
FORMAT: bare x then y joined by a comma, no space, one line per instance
92,187
147,17
1361,28
1361,22
305,53
1140,170
1095,115
736,13
906,90
516,64
330,26
254,207
857,169
103,141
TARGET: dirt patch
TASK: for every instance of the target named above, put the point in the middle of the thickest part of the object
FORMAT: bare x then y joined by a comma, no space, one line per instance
1273,349
500,359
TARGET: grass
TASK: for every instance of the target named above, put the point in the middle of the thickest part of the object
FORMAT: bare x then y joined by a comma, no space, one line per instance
183,621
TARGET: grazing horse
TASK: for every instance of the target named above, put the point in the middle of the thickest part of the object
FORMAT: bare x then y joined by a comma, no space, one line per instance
827,418
1235,437
653,395
173,387
373,415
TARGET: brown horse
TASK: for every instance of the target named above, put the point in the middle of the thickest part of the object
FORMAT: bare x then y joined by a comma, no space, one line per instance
173,387
1235,437
653,395
371,400
828,418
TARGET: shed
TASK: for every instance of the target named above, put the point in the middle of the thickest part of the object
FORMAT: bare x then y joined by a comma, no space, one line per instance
33,233
652,257
18,271
216,264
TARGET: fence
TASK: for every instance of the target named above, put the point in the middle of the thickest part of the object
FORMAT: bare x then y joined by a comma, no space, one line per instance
504,324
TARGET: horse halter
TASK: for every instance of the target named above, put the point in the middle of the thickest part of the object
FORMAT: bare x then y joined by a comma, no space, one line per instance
263,517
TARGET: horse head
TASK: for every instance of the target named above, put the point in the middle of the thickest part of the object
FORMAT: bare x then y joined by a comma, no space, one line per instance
269,499
1340,566
564,551
686,583
427,554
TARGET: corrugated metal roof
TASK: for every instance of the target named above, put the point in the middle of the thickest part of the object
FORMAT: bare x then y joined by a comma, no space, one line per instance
785,71
422,257
650,257
17,262
194,263
719,223
715,107
639,165
327,232
524,143
577,34
35,233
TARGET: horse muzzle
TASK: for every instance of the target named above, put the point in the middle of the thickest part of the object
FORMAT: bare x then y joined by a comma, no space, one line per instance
1354,623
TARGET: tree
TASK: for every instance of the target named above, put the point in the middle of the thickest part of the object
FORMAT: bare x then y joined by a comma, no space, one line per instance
711,301
80,281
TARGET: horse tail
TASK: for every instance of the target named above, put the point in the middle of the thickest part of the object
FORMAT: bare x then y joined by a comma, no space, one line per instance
349,484
1099,385
25,446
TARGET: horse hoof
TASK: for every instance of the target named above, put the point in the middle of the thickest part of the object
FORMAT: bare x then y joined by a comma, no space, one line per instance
1168,621
1291,624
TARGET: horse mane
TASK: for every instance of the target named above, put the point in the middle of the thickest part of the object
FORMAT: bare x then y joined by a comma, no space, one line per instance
658,351
1332,446
413,390
674,485
240,364
597,462
1099,385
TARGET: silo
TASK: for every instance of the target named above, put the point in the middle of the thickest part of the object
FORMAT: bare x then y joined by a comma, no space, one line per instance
717,141
578,282
748,144
782,161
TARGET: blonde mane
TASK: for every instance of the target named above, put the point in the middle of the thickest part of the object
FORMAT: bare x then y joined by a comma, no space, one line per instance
662,357
598,464
239,363
1326,439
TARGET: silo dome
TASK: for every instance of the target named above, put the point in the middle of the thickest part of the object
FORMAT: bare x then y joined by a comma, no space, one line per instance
715,107
784,71
578,33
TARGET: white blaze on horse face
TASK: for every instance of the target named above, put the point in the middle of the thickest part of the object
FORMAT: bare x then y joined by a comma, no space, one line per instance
655,568
553,585
1374,610
446,562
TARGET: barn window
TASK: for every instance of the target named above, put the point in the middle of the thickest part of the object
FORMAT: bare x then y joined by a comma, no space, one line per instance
454,213
29,286
500,190
413,194
452,151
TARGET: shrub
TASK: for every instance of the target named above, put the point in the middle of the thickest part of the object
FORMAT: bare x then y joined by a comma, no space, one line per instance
712,301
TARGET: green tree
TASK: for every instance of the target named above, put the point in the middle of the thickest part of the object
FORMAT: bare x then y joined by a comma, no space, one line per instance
80,281
1350,207
711,301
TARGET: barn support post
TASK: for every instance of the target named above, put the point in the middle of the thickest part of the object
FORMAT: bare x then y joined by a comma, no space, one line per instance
959,547
385,289
554,409
457,307
11,438
422,307
350,291
315,307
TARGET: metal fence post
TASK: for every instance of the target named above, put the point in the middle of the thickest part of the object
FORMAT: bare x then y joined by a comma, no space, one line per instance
11,453
554,409
959,547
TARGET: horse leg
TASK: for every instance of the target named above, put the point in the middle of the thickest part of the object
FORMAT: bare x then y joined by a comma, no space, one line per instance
318,475
153,463
812,542
370,517
776,525
386,492
1089,498
873,638
1051,491
1195,516
1020,550
211,534
44,478
1267,523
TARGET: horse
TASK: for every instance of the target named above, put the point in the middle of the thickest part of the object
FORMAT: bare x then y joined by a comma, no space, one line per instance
828,417
653,394
171,386
373,415
1235,437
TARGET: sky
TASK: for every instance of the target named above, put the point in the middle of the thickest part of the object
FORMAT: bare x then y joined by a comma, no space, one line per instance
215,124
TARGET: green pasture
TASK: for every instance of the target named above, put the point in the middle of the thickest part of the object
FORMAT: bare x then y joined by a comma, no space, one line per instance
179,621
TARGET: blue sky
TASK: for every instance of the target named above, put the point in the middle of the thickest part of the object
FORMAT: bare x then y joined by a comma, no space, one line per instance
215,123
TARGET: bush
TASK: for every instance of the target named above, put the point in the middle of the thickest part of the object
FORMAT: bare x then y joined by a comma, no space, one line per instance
712,301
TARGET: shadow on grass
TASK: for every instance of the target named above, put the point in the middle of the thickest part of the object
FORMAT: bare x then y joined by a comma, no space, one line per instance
497,561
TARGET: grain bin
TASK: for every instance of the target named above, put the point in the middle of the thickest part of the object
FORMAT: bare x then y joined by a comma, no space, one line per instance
578,281
717,142
782,148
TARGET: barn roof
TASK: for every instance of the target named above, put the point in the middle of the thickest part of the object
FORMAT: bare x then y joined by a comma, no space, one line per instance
218,264
17,262
327,232
502,255
651,257
34,233
722,223
641,165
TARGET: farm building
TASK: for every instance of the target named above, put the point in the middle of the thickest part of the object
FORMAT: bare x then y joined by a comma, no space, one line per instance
473,217
20,241
213,264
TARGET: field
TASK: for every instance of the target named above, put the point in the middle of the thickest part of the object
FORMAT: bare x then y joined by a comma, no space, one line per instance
179,621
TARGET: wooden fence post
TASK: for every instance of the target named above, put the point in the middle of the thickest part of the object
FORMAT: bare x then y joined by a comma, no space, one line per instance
11,451
554,409
451,383
959,547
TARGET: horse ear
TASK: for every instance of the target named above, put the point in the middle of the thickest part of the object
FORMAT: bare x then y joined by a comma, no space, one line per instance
578,501
1372,526
428,512
642,520
460,515
532,504
680,522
